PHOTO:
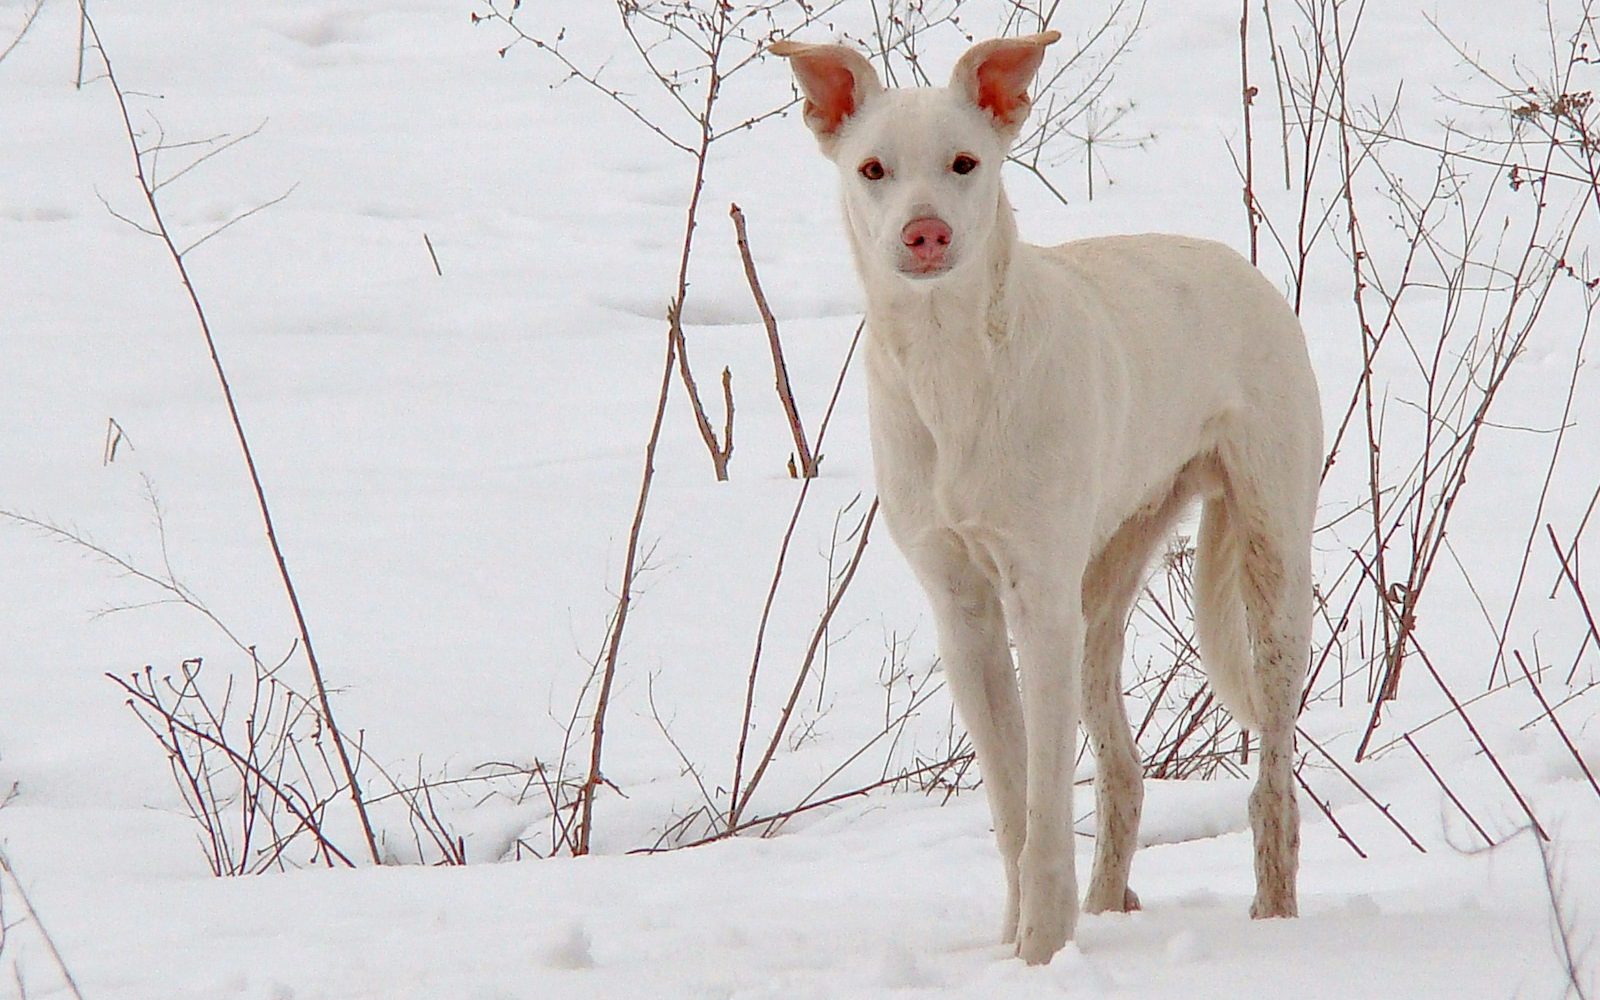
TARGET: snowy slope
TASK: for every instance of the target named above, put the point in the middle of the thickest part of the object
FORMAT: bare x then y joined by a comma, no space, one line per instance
453,461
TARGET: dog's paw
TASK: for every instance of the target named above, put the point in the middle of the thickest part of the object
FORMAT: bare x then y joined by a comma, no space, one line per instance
1271,907
1049,915
1111,901
1037,945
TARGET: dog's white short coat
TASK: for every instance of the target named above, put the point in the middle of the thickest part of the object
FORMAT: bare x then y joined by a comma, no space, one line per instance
1040,417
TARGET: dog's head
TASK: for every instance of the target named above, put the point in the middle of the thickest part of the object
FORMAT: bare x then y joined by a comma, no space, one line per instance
920,166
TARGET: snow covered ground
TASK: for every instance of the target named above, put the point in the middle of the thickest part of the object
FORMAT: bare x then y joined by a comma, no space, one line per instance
453,461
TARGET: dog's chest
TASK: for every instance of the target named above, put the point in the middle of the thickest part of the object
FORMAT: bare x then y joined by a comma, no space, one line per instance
954,449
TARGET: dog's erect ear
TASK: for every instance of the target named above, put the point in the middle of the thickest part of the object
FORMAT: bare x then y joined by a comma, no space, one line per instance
995,76
835,79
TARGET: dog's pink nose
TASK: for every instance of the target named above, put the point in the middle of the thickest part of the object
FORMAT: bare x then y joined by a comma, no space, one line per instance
927,238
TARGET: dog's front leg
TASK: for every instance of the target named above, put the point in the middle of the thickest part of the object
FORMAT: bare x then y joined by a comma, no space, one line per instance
1045,608
977,666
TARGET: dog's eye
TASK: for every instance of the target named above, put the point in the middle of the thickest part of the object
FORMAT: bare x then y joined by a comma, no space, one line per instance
872,170
964,164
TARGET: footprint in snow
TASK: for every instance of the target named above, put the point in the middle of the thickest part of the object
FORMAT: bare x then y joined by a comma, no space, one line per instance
902,969
571,951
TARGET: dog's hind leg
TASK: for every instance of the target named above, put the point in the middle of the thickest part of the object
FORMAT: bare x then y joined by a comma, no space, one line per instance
983,683
1119,780
1271,514
1277,592
1109,588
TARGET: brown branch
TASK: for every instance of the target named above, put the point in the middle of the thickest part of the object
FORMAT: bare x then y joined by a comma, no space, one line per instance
1249,95
1482,744
720,453
584,825
1326,811
772,590
955,758
808,464
1196,716
27,22
591,79
1430,510
169,583
38,924
148,190
1563,426
742,799
302,810
1283,104
1551,715
1369,347
727,425
1362,789
1577,589
1439,780
433,256
783,815
1571,962
83,17
723,42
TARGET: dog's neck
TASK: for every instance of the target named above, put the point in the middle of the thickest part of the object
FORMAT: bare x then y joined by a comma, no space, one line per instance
967,306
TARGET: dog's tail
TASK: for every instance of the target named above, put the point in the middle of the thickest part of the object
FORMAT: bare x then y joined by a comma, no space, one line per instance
1219,613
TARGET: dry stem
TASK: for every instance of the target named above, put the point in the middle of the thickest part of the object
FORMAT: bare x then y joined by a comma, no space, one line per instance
780,371
147,187
39,925
584,826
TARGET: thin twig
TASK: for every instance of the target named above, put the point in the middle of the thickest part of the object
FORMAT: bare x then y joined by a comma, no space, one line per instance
864,533
177,256
39,925
772,589
1363,790
783,815
433,256
231,142
585,805
1571,963
27,22
1482,744
83,19
1439,780
235,221
808,464
1344,835
1560,729
298,804
1571,576
1249,97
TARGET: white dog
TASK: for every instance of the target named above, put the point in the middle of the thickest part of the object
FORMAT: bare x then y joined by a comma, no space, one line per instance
1040,418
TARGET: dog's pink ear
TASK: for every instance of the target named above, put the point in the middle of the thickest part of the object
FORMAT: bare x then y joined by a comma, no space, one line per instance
995,76
835,79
